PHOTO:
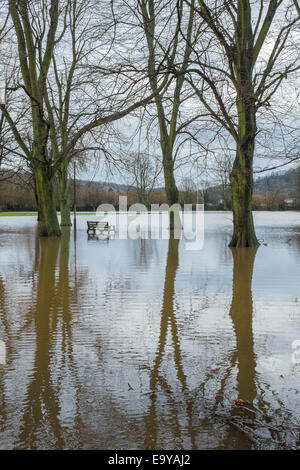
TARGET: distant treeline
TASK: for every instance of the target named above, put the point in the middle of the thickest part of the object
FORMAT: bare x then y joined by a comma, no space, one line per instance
89,195
17,194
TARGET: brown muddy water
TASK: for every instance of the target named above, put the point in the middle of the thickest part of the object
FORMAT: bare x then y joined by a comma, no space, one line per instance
141,344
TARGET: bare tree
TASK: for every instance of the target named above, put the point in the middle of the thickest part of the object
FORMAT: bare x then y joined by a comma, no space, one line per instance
143,171
40,28
221,168
35,57
247,52
158,27
188,191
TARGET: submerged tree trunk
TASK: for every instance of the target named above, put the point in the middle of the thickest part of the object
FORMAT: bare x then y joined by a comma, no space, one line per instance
64,200
49,225
242,189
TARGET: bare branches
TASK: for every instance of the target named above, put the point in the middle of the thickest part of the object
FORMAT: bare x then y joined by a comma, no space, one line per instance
262,34
297,6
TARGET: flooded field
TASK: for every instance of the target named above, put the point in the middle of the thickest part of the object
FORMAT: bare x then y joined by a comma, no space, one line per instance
142,344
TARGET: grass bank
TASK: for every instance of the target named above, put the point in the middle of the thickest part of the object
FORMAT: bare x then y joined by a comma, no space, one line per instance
9,214
23,214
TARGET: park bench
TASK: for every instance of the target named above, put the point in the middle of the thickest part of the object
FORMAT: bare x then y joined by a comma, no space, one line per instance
100,226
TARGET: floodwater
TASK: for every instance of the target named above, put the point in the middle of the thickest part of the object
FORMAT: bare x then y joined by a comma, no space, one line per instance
142,344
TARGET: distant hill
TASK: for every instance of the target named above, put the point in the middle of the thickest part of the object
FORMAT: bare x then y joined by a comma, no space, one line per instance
285,182
104,186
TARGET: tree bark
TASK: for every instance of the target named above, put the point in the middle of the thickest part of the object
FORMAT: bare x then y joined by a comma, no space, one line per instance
170,187
39,215
48,225
242,188
64,200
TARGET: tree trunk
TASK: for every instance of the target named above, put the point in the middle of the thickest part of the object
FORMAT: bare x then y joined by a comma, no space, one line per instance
171,188
64,200
224,195
49,225
39,215
242,188
241,177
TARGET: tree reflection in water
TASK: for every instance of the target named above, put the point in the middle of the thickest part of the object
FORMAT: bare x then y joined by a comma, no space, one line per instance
71,349
242,356
51,318
168,322
241,313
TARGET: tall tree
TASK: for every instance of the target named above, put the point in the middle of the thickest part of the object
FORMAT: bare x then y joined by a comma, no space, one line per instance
34,75
161,23
245,55
70,98
40,27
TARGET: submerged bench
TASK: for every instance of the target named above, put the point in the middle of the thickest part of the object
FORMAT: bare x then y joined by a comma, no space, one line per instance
100,226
